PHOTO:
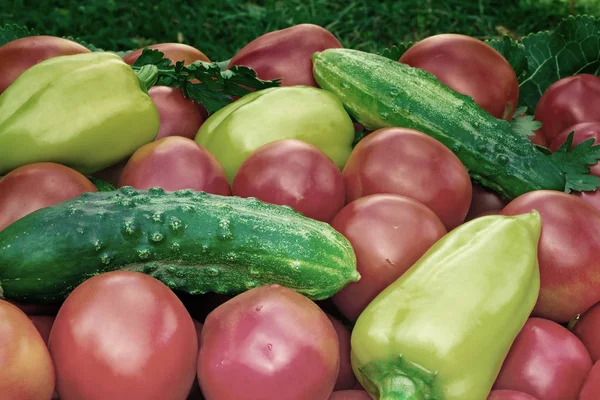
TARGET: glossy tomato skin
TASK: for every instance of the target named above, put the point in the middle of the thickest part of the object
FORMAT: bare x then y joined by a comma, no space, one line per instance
468,66
19,55
175,163
346,378
587,329
568,252
546,360
591,385
568,101
132,335
34,186
294,173
173,51
484,200
410,163
179,116
27,372
269,341
286,53
509,395
389,233
350,395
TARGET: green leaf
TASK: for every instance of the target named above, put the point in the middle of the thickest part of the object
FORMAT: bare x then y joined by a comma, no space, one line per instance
575,162
154,57
10,32
513,52
524,125
572,48
396,51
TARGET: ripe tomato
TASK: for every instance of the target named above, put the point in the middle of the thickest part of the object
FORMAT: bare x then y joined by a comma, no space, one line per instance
173,51
293,173
123,335
546,361
34,186
567,102
509,395
350,395
471,67
591,386
26,371
587,329
484,201
178,115
410,163
389,233
346,378
269,341
568,252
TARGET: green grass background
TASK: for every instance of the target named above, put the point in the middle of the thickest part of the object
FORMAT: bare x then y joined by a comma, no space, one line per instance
221,27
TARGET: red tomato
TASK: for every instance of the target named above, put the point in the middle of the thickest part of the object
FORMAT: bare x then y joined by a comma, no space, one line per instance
179,116
346,378
196,392
350,395
123,335
43,324
468,66
591,385
389,233
484,200
567,102
293,173
173,51
587,329
410,163
546,361
286,53
590,197
538,138
568,252
509,395
34,186
175,163
19,55
27,372
269,341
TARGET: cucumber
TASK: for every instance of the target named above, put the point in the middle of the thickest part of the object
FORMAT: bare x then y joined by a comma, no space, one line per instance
193,242
379,92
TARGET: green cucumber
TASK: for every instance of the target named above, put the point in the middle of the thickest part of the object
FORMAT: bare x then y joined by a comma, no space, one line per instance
379,92
193,242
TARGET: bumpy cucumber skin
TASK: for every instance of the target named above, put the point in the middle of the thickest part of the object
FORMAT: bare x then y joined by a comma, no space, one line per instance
379,92
192,241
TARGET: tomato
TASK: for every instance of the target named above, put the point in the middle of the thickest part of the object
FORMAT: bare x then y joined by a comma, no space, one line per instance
591,386
43,324
179,116
123,335
389,233
345,378
269,341
471,67
587,329
19,55
294,173
509,395
483,201
175,163
286,53
34,186
567,102
410,163
546,361
196,392
568,252
173,51
350,395
27,372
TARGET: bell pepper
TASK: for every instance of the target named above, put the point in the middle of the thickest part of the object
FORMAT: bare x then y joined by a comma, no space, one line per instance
305,113
87,111
443,329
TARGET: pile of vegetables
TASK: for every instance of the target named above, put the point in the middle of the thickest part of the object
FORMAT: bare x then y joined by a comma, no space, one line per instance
302,221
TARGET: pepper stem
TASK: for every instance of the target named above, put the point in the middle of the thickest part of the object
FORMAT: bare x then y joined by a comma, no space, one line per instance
147,75
400,379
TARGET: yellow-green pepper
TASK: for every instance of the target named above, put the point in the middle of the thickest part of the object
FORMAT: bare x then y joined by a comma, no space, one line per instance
443,329
306,113
87,111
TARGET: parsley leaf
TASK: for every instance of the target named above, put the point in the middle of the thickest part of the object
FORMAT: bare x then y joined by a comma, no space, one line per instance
396,51
205,83
524,124
574,162
10,32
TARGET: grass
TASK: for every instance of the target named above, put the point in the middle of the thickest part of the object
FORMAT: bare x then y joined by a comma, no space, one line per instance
221,27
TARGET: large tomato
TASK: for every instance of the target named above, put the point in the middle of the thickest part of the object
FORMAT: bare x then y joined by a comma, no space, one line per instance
389,233
587,329
26,370
484,200
567,102
34,186
346,379
410,163
509,395
469,66
173,51
123,335
350,395
568,252
178,115
591,386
